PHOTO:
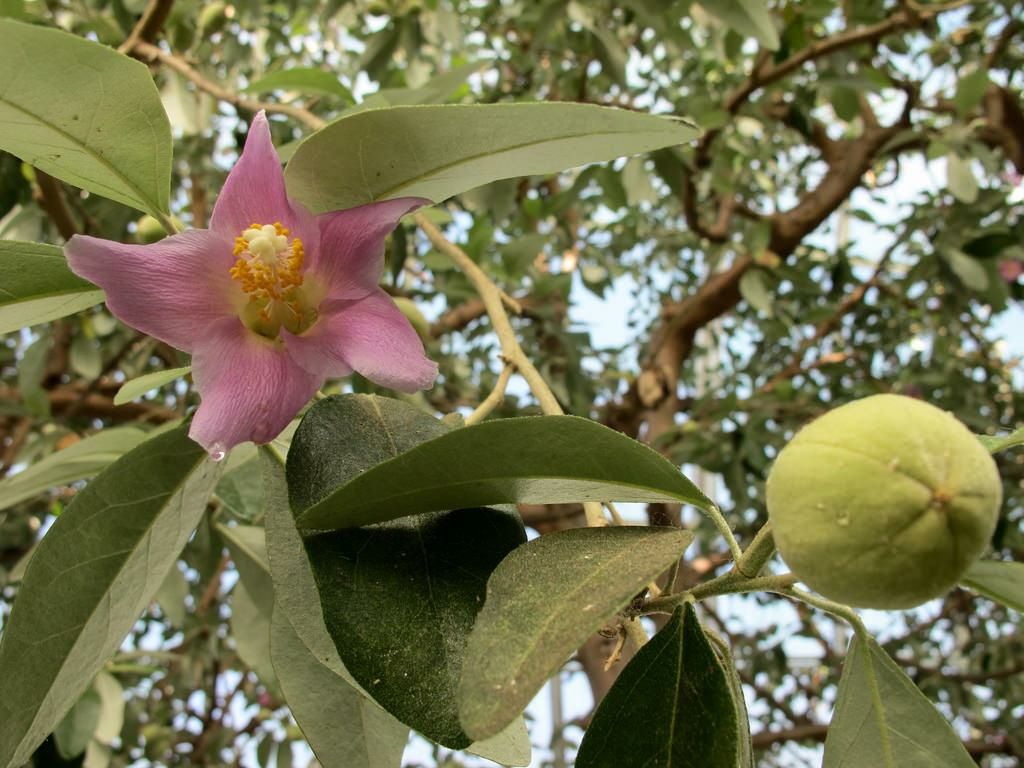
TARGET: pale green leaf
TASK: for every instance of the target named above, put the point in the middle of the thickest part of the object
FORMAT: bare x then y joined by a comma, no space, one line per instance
749,18
250,629
998,580
881,718
85,114
91,577
74,732
439,151
510,747
303,80
969,270
960,178
76,462
754,288
543,601
36,285
111,710
137,387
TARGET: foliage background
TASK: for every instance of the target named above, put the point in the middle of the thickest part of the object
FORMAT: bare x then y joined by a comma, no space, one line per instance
850,223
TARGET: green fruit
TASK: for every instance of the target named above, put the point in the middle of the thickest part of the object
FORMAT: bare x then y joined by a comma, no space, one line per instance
883,502
149,230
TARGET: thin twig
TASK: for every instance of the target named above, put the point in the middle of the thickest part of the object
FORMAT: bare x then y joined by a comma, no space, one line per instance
494,399
494,300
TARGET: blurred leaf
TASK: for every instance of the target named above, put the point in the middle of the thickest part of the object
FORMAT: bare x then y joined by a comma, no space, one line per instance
544,600
112,708
84,358
998,580
303,80
137,387
76,462
969,270
250,629
749,18
94,572
891,726
754,288
439,151
533,460
36,286
171,596
75,731
960,178
31,370
679,676
970,90
85,114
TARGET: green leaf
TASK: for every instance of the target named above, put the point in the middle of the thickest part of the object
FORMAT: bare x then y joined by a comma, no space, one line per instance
111,708
241,490
960,178
881,718
749,18
754,289
36,285
998,580
533,460
440,151
248,547
80,460
543,602
673,705
343,727
995,444
74,732
399,600
139,386
250,629
969,91
510,747
970,271
85,114
91,577
304,80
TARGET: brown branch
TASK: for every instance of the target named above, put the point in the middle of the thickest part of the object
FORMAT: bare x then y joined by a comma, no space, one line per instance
98,405
151,53
50,196
1013,26
149,24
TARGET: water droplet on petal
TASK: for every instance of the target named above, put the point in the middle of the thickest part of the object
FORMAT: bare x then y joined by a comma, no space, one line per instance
218,452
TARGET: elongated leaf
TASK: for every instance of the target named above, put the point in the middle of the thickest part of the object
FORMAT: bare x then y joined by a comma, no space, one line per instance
248,547
998,443
960,178
305,660
543,602
76,462
749,18
36,285
671,706
304,80
542,459
891,726
86,114
344,728
998,580
143,384
440,151
92,575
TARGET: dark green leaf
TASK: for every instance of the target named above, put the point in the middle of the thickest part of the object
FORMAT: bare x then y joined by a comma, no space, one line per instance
543,602
969,91
85,114
1001,581
440,151
530,460
882,719
36,286
92,575
673,705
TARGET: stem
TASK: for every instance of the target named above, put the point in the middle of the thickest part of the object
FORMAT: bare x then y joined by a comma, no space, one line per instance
495,301
730,583
494,399
757,554
167,223
635,632
723,528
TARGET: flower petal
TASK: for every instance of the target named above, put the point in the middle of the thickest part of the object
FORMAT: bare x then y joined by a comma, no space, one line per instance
351,256
250,387
254,192
370,335
171,290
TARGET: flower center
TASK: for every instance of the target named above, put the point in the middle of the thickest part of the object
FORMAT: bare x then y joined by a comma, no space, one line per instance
268,267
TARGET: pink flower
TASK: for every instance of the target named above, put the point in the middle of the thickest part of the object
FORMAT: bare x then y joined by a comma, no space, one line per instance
270,300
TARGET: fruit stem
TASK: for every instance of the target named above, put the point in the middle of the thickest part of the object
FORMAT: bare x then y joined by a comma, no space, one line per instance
757,554
731,583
